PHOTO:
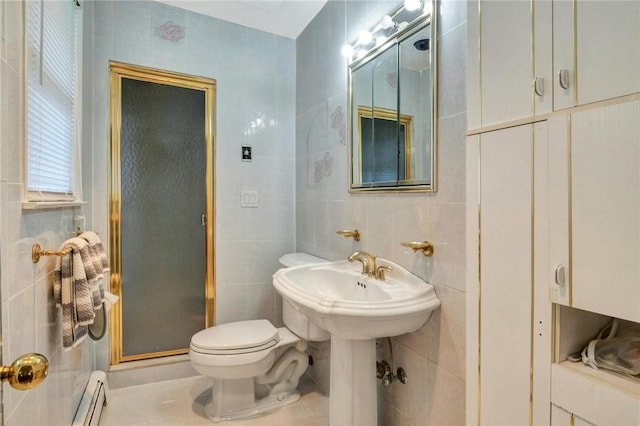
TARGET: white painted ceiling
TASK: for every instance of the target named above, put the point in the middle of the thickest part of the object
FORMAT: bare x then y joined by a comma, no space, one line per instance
285,18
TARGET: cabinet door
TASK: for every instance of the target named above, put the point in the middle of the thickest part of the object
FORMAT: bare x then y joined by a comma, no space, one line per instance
509,50
506,71
543,58
505,288
558,274
564,92
608,49
595,46
605,210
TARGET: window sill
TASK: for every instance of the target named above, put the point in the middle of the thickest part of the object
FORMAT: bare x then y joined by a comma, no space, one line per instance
44,205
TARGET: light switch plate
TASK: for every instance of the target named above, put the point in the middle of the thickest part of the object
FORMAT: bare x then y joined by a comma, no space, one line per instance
249,198
246,153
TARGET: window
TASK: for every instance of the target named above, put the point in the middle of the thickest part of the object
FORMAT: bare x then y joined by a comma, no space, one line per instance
52,39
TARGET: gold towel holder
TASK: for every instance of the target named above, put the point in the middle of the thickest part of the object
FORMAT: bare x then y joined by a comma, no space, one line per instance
37,252
347,233
425,247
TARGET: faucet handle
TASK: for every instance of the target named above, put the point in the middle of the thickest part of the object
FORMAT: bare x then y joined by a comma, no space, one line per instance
425,247
380,270
348,233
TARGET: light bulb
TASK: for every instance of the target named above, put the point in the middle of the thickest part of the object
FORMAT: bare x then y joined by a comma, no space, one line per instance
365,38
412,5
387,22
426,8
347,51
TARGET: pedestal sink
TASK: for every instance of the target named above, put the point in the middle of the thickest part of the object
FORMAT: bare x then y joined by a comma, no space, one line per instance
356,309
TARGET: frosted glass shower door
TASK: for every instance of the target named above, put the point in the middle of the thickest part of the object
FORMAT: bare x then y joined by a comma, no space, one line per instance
163,210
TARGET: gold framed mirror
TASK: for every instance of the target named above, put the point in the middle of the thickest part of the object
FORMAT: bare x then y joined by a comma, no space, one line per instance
392,86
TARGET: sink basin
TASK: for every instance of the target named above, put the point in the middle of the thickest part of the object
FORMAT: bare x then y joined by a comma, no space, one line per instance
356,309
337,297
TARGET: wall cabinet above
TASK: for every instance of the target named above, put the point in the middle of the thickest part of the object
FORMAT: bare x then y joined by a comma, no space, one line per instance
529,59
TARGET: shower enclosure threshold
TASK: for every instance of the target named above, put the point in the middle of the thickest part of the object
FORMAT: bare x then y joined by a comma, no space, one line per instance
142,372
165,360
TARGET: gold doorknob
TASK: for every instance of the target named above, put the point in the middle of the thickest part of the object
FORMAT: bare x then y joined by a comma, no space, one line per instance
26,372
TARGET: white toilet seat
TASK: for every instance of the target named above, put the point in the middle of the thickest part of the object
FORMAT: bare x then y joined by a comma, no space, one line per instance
236,338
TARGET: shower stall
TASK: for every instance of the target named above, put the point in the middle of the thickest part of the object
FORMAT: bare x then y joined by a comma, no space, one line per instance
161,210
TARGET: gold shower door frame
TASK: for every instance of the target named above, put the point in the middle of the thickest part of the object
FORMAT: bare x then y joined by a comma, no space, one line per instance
117,71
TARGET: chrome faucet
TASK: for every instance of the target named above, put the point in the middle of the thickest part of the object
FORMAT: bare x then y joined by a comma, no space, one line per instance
368,262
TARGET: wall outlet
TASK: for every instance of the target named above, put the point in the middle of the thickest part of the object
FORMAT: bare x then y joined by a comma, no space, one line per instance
249,198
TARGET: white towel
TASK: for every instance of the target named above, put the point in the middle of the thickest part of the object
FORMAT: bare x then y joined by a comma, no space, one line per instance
78,286
73,293
96,244
96,263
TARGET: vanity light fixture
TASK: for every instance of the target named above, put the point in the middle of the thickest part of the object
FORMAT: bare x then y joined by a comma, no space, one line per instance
365,38
348,51
387,22
413,5
383,30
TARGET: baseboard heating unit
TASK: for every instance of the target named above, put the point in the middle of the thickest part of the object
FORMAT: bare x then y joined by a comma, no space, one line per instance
93,399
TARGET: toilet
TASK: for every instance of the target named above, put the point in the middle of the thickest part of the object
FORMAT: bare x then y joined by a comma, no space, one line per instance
255,366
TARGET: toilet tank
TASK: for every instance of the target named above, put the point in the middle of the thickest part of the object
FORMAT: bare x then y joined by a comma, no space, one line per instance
294,319
298,259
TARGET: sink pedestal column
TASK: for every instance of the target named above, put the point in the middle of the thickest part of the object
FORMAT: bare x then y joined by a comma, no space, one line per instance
353,399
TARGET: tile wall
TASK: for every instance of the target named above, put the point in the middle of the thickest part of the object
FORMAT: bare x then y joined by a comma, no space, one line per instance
30,319
255,105
433,356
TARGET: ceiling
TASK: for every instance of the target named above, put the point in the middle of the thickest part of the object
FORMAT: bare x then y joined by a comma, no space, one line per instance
285,18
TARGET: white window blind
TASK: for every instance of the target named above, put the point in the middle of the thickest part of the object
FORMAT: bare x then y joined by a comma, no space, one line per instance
52,113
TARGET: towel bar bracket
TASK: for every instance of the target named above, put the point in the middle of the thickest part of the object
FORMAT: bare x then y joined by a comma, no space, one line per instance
37,252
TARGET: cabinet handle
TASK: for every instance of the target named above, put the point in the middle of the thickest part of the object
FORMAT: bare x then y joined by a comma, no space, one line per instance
560,275
563,78
538,86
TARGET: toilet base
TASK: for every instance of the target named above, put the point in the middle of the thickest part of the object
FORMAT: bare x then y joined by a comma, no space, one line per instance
268,403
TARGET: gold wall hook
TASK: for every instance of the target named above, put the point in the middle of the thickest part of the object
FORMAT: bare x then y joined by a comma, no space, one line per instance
347,233
37,252
26,372
425,247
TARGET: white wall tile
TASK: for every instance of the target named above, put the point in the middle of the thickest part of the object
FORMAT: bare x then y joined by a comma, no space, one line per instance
445,397
446,332
452,72
11,108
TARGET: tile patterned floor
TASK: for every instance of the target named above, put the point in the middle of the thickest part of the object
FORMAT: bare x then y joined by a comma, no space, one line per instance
182,401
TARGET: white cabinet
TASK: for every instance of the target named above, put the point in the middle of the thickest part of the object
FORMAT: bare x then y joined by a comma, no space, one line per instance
502,66
553,205
594,176
526,59
509,318
595,43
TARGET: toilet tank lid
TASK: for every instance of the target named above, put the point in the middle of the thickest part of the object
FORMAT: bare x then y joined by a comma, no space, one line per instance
300,258
237,335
